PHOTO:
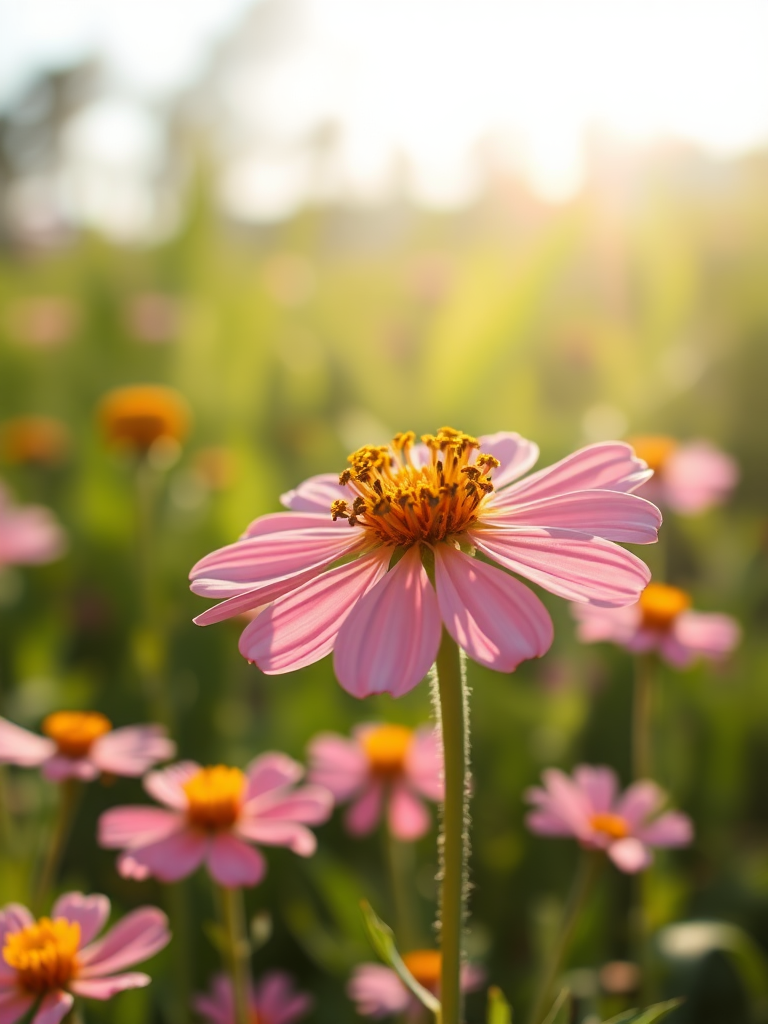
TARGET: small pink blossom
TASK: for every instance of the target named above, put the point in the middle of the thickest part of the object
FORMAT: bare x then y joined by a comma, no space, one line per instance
588,808
661,621
381,764
213,815
29,534
55,959
378,992
272,1000
688,477
83,745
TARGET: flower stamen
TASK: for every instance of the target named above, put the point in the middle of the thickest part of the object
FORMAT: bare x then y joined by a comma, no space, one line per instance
215,796
612,825
44,954
386,747
74,732
660,605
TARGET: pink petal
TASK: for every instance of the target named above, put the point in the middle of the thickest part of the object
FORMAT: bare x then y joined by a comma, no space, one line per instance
617,625
132,750
669,647
301,627
277,522
567,563
612,515
59,767
544,823
408,817
639,802
13,1005
21,747
630,855
232,863
337,763
364,814
277,1001
599,785
53,1008
310,805
30,535
268,832
13,917
707,633
170,858
247,597
377,991
90,912
136,937
271,771
127,826
105,988
562,798
670,829
316,494
516,455
424,763
698,476
166,785
493,617
390,639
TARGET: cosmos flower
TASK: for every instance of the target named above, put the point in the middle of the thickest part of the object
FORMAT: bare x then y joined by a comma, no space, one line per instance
213,814
688,477
662,621
378,992
83,745
588,808
381,763
272,1000
53,959
137,416
29,534
403,512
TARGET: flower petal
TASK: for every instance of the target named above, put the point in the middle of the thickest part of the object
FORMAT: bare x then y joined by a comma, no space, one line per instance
377,991
90,912
311,805
337,763
13,1005
122,827
232,863
105,988
707,633
515,453
270,771
59,767
136,937
316,494
21,747
408,817
639,802
291,834
53,1008
277,1001
166,784
424,763
168,859
364,814
132,750
630,855
277,522
612,515
671,829
599,784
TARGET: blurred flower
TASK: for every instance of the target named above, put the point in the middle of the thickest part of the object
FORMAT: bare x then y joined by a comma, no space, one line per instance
44,322
55,958
688,478
138,416
214,813
272,1000
377,991
588,808
216,467
662,621
433,501
381,761
34,439
289,278
29,534
154,317
83,745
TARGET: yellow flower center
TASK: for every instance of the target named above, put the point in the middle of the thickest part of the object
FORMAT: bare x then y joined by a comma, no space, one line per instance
660,605
612,824
215,795
386,748
137,416
74,732
44,953
655,449
405,504
424,965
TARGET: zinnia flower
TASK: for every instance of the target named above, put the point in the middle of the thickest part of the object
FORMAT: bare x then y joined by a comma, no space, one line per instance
378,992
662,621
688,478
588,808
214,813
402,507
137,416
272,1000
82,745
29,534
55,958
381,762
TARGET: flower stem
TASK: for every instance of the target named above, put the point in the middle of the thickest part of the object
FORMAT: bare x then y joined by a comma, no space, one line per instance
454,840
239,949
642,708
400,866
69,797
591,862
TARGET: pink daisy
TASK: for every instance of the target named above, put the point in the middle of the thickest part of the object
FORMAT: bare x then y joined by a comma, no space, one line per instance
213,814
381,763
83,745
377,991
272,1000
435,504
55,958
662,621
29,534
688,478
589,808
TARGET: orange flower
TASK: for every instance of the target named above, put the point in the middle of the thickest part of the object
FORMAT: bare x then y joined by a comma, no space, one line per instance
39,440
137,416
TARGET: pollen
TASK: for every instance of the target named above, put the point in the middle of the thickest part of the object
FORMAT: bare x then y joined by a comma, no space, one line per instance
215,796
655,449
136,417
44,954
74,732
424,965
612,825
404,502
660,605
386,748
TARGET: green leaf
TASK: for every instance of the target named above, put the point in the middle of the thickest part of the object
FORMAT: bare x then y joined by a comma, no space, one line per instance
647,1016
383,941
499,1010
561,1010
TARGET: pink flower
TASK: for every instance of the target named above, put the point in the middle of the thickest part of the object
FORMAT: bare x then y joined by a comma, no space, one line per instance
433,504
588,808
661,621
213,814
273,1000
688,478
83,745
377,991
29,534
381,762
55,958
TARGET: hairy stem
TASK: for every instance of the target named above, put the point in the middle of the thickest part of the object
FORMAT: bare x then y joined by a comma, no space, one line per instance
239,950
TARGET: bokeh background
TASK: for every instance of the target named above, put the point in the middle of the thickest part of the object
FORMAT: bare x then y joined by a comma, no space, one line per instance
324,222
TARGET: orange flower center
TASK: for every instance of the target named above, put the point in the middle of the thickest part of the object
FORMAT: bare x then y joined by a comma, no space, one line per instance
386,748
424,965
405,504
215,796
74,732
34,439
44,953
612,824
654,449
660,605
135,417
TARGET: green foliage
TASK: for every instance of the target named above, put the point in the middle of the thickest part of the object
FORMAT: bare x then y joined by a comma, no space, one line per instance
383,941
647,1016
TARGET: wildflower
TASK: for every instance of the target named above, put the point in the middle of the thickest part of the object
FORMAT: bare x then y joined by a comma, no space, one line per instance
55,958
377,991
402,507
588,807
29,534
381,762
137,416
662,621
34,440
154,317
213,814
272,1000
82,745
44,321
688,478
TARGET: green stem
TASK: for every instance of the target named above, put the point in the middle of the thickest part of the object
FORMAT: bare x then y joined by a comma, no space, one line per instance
454,721
591,862
75,1015
400,867
239,950
69,797
642,713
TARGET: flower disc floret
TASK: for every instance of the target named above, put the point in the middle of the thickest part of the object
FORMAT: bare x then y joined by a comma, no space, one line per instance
44,953
137,416
660,605
215,796
74,732
386,747
612,825
655,449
